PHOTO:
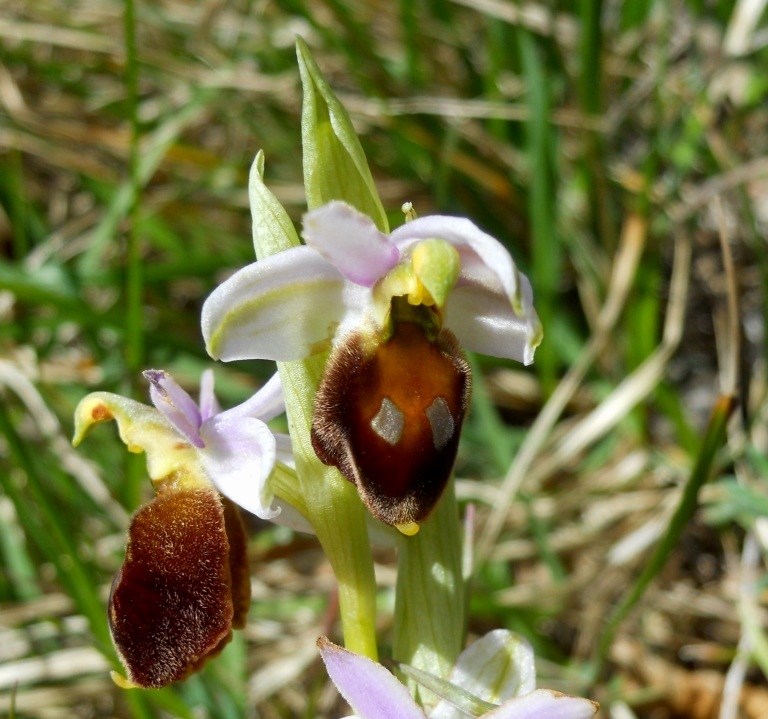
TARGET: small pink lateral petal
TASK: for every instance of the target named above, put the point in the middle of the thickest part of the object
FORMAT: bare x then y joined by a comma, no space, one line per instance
209,405
177,406
367,687
350,241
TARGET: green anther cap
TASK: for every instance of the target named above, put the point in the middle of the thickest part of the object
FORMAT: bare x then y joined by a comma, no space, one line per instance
436,264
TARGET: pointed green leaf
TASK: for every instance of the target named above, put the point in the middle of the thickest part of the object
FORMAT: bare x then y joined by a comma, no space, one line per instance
273,230
335,167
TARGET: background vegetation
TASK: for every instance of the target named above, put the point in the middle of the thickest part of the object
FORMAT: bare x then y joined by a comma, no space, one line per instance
620,150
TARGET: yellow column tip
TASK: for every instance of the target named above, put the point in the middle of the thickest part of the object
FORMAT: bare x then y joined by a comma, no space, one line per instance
408,528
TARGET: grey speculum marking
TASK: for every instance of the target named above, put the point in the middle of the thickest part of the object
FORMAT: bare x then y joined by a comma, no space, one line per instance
389,422
441,421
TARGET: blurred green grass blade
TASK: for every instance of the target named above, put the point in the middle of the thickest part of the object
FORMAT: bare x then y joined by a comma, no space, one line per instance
494,433
46,285
26,228
591,103
360,43
411,15
220,689
445,165
546,249
498,45
644,312
541,530
590,50
145,703
19,580
672,405
133,282
643,315
635,13
157,144
46,528
711,444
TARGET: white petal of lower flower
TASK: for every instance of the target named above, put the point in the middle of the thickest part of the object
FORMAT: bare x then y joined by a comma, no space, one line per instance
466,237
238,458
544,704
351,241
285,307
498,666
367,687
484,321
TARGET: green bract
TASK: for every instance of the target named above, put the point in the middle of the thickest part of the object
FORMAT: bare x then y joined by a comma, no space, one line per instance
335,167
273,230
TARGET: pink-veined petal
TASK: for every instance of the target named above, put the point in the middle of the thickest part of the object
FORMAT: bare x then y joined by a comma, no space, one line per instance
495,668
485,322
544,704
367,687
350,241
238,458
283,308
266,404
177,406
209,405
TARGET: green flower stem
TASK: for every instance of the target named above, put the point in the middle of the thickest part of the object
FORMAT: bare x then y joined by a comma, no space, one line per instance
335,168
429,603
328,501
335,511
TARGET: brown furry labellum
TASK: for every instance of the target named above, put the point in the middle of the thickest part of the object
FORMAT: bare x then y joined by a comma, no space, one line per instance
389,416
183,587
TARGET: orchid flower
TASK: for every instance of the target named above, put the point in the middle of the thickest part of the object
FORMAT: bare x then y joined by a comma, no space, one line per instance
396,310
234,450
185,584
494,678
289,306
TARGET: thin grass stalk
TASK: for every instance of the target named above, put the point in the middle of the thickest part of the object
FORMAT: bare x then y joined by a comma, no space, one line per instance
133,288
410,14
134,281
590,100
713,441
546,250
